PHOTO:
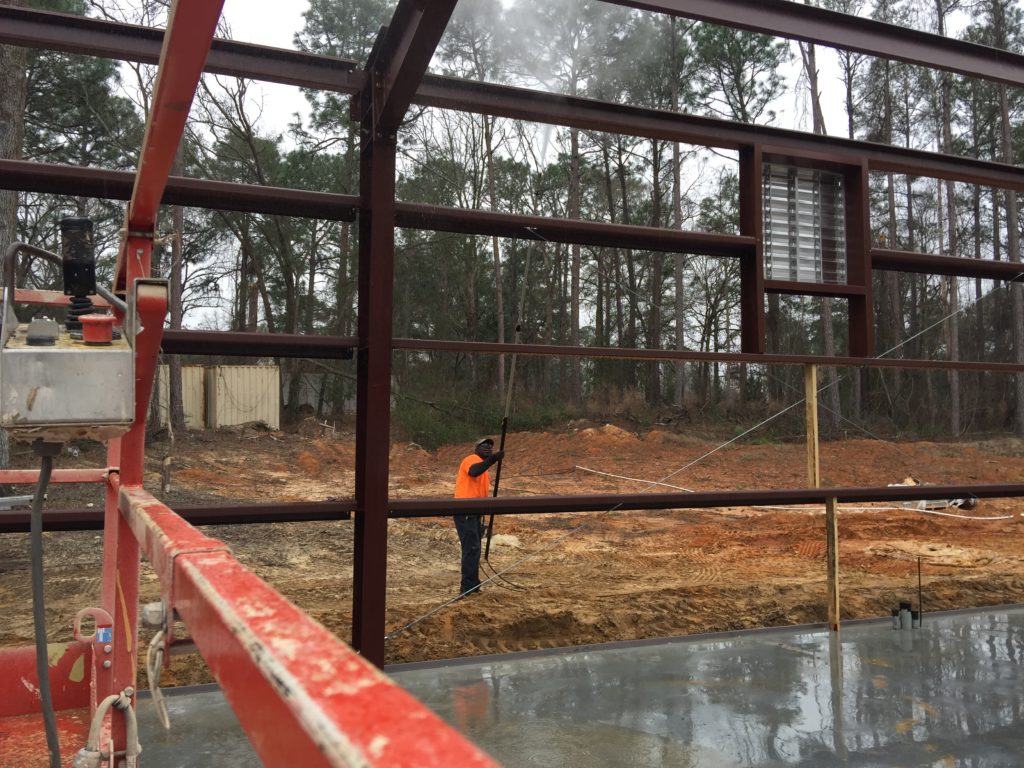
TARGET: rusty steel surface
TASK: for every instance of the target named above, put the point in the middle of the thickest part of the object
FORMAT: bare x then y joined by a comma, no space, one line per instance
130,42
180,190
624,353
373,394
301,695
539,505
31,476
88,519
399,59
248,344
812,24
933,264
70,678
115,40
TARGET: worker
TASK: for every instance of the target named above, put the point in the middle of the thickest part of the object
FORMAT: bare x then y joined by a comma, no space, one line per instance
473,482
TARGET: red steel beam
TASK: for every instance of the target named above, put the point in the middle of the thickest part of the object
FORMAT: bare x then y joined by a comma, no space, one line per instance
31,476
121,41
526,505
87,519
130,42
399,59
201,193
302,697
622,353
191,25
811,24
931,264
248,344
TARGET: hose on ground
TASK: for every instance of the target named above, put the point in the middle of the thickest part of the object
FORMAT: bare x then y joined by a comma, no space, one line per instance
39,604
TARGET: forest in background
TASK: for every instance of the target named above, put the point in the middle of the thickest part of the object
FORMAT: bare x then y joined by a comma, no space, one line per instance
240,271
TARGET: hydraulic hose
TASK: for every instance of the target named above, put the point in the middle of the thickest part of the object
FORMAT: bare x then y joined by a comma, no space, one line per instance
38,603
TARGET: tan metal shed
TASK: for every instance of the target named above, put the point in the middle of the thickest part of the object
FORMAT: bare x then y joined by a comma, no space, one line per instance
239,394
193,395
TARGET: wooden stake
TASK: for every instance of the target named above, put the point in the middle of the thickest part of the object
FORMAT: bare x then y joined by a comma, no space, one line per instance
811,419
832,556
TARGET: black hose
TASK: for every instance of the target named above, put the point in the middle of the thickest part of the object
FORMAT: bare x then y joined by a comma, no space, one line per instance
39,615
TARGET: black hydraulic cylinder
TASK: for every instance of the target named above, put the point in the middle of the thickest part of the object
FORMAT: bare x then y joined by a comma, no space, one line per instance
78,256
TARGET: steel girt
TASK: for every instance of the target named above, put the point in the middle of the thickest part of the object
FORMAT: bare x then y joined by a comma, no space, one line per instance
203,193
130,42
122,41
399,60
812,24
190,29
753,358
246,344
300,694
87,519
200,193
596,233
590,114
931,264
538,505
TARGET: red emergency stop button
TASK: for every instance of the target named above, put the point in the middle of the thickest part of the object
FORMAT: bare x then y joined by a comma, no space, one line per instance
97,330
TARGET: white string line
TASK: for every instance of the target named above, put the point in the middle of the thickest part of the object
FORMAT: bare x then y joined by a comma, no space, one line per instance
895,509
634,479
653,483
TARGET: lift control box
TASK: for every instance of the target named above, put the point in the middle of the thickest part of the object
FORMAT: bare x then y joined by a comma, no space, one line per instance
56,385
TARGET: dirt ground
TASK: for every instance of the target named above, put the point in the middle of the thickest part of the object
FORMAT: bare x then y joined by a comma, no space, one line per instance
584,578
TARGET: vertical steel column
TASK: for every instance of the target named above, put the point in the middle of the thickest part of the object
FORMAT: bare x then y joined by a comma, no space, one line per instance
752,322
858,261
373,392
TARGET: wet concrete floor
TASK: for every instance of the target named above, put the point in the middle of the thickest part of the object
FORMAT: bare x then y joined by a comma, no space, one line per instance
948,694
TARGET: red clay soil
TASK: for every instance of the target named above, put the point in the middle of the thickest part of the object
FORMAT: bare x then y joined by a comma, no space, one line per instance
588,577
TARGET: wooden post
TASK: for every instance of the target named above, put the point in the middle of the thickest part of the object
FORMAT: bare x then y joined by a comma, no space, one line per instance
811,419
832,556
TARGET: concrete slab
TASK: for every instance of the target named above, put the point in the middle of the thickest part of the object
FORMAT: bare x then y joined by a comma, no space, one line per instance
948,694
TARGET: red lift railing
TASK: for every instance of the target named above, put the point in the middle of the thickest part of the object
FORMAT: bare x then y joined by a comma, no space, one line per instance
302,696
197,570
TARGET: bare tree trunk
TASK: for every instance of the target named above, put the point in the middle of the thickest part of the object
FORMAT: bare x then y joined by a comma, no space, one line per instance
657,267
499,294
830,418
13,63
575,374
953,323
175,401
679,260
1013,254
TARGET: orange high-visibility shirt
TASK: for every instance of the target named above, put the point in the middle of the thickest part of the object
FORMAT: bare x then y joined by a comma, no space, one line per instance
467,487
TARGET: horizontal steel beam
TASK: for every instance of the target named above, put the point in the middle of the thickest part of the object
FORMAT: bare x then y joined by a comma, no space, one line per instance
811,24
524,505
619,353
74,180
89,519
130,42
596,233
243,344
931,264
589,114
95,182
123,42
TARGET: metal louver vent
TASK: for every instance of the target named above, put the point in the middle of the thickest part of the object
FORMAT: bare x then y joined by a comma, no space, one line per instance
804,225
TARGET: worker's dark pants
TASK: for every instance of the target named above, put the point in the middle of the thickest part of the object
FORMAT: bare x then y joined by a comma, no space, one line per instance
469,528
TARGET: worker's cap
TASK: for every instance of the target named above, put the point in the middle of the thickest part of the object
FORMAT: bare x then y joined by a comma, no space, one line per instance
484,441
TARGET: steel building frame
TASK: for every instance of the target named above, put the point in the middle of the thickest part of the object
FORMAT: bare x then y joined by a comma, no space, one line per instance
197,573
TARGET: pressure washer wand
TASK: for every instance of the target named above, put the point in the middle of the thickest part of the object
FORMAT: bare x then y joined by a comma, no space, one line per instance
497,482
